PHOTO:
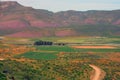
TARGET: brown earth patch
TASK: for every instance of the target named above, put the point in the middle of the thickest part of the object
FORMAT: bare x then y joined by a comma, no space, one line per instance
95,47
114,57
22,60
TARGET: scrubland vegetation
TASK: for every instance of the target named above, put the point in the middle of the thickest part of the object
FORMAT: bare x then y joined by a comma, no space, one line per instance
25,62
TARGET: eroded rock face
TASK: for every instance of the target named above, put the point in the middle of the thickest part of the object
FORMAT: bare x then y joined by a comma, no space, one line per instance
62,18
7,4
14,17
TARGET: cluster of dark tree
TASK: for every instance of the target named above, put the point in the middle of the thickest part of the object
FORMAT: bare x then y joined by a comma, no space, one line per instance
60,44
43,43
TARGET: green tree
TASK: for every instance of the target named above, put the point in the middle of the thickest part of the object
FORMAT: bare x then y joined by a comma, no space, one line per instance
2,77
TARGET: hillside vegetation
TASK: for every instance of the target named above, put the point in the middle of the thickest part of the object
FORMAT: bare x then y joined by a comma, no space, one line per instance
17,20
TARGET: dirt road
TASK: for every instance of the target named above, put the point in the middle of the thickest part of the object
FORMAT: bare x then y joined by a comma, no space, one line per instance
98,74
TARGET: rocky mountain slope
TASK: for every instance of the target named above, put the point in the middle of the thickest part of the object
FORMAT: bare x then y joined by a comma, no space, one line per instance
19,21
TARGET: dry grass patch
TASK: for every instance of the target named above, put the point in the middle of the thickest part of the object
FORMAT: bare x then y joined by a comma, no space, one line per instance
95,47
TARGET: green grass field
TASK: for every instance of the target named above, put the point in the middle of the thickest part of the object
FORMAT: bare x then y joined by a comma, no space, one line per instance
83,40
39,55
50,52
69,49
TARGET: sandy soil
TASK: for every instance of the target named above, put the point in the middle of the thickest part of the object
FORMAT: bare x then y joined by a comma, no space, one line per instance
1,59
95,47
98,74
